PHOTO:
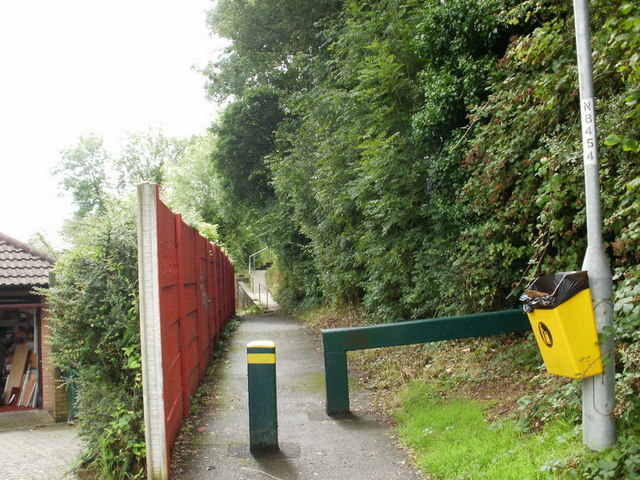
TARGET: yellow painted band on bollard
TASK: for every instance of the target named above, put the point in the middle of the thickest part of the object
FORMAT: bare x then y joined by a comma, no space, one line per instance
261,358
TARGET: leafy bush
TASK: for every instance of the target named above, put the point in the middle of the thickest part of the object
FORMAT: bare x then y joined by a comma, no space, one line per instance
428,163
95,330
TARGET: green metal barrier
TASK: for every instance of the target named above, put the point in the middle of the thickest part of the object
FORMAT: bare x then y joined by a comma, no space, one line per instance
338,341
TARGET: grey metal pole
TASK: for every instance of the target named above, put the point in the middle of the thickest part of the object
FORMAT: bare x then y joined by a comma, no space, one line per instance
598,392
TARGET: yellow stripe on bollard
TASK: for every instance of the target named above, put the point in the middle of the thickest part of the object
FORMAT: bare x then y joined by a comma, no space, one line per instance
261,358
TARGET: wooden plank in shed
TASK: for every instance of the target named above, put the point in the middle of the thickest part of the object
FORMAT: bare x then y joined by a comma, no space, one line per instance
18,365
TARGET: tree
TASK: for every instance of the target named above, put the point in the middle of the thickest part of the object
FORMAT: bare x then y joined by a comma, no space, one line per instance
427,160
191,184
144,155
272,41
273,49
42,243
89,172
245,137
83,170
365,160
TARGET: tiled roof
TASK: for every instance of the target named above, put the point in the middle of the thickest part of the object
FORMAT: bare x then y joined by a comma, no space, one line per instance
21,264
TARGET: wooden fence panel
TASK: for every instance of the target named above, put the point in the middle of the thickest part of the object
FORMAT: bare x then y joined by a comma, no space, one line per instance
186,297
170,326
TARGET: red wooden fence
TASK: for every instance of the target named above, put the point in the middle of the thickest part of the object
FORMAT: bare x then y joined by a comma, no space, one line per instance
187,294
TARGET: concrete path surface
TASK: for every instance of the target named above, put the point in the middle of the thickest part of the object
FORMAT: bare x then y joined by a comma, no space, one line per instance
313,445
38,453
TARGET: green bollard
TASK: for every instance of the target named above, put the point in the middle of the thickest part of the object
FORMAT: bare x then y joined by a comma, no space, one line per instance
263,421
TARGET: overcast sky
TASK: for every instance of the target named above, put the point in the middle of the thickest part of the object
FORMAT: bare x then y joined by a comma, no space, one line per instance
72,67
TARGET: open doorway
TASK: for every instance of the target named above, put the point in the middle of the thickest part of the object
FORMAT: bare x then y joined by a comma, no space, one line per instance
20,365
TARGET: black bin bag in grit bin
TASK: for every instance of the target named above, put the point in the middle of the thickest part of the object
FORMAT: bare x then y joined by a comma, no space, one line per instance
549,291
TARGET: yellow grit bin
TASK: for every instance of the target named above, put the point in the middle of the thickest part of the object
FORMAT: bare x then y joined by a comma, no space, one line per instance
560,311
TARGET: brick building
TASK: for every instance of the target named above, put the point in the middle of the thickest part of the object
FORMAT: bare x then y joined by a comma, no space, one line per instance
28,378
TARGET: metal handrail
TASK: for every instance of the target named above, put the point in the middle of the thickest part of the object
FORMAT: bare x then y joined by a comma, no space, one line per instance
260,286
253,279
253,256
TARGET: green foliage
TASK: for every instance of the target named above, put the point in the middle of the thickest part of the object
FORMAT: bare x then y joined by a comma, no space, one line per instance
620,462
94,176
524,169
453,439
94,315
144,156
424,159
273,45
191,184
192,187
268,37
429,159
83,173
245,137
94,301
525,193
356,163
624,29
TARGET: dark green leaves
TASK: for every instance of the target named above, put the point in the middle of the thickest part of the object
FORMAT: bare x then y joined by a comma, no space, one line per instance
95,327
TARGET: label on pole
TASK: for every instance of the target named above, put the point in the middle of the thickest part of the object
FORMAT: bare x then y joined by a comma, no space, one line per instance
589,150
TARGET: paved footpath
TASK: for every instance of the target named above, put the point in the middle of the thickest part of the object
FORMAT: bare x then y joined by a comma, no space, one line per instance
313,445
38,453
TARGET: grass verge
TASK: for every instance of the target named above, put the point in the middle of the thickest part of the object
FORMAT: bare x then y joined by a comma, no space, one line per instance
452,438
472,409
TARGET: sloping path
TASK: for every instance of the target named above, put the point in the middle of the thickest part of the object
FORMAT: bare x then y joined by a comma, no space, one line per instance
313,446
261,292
